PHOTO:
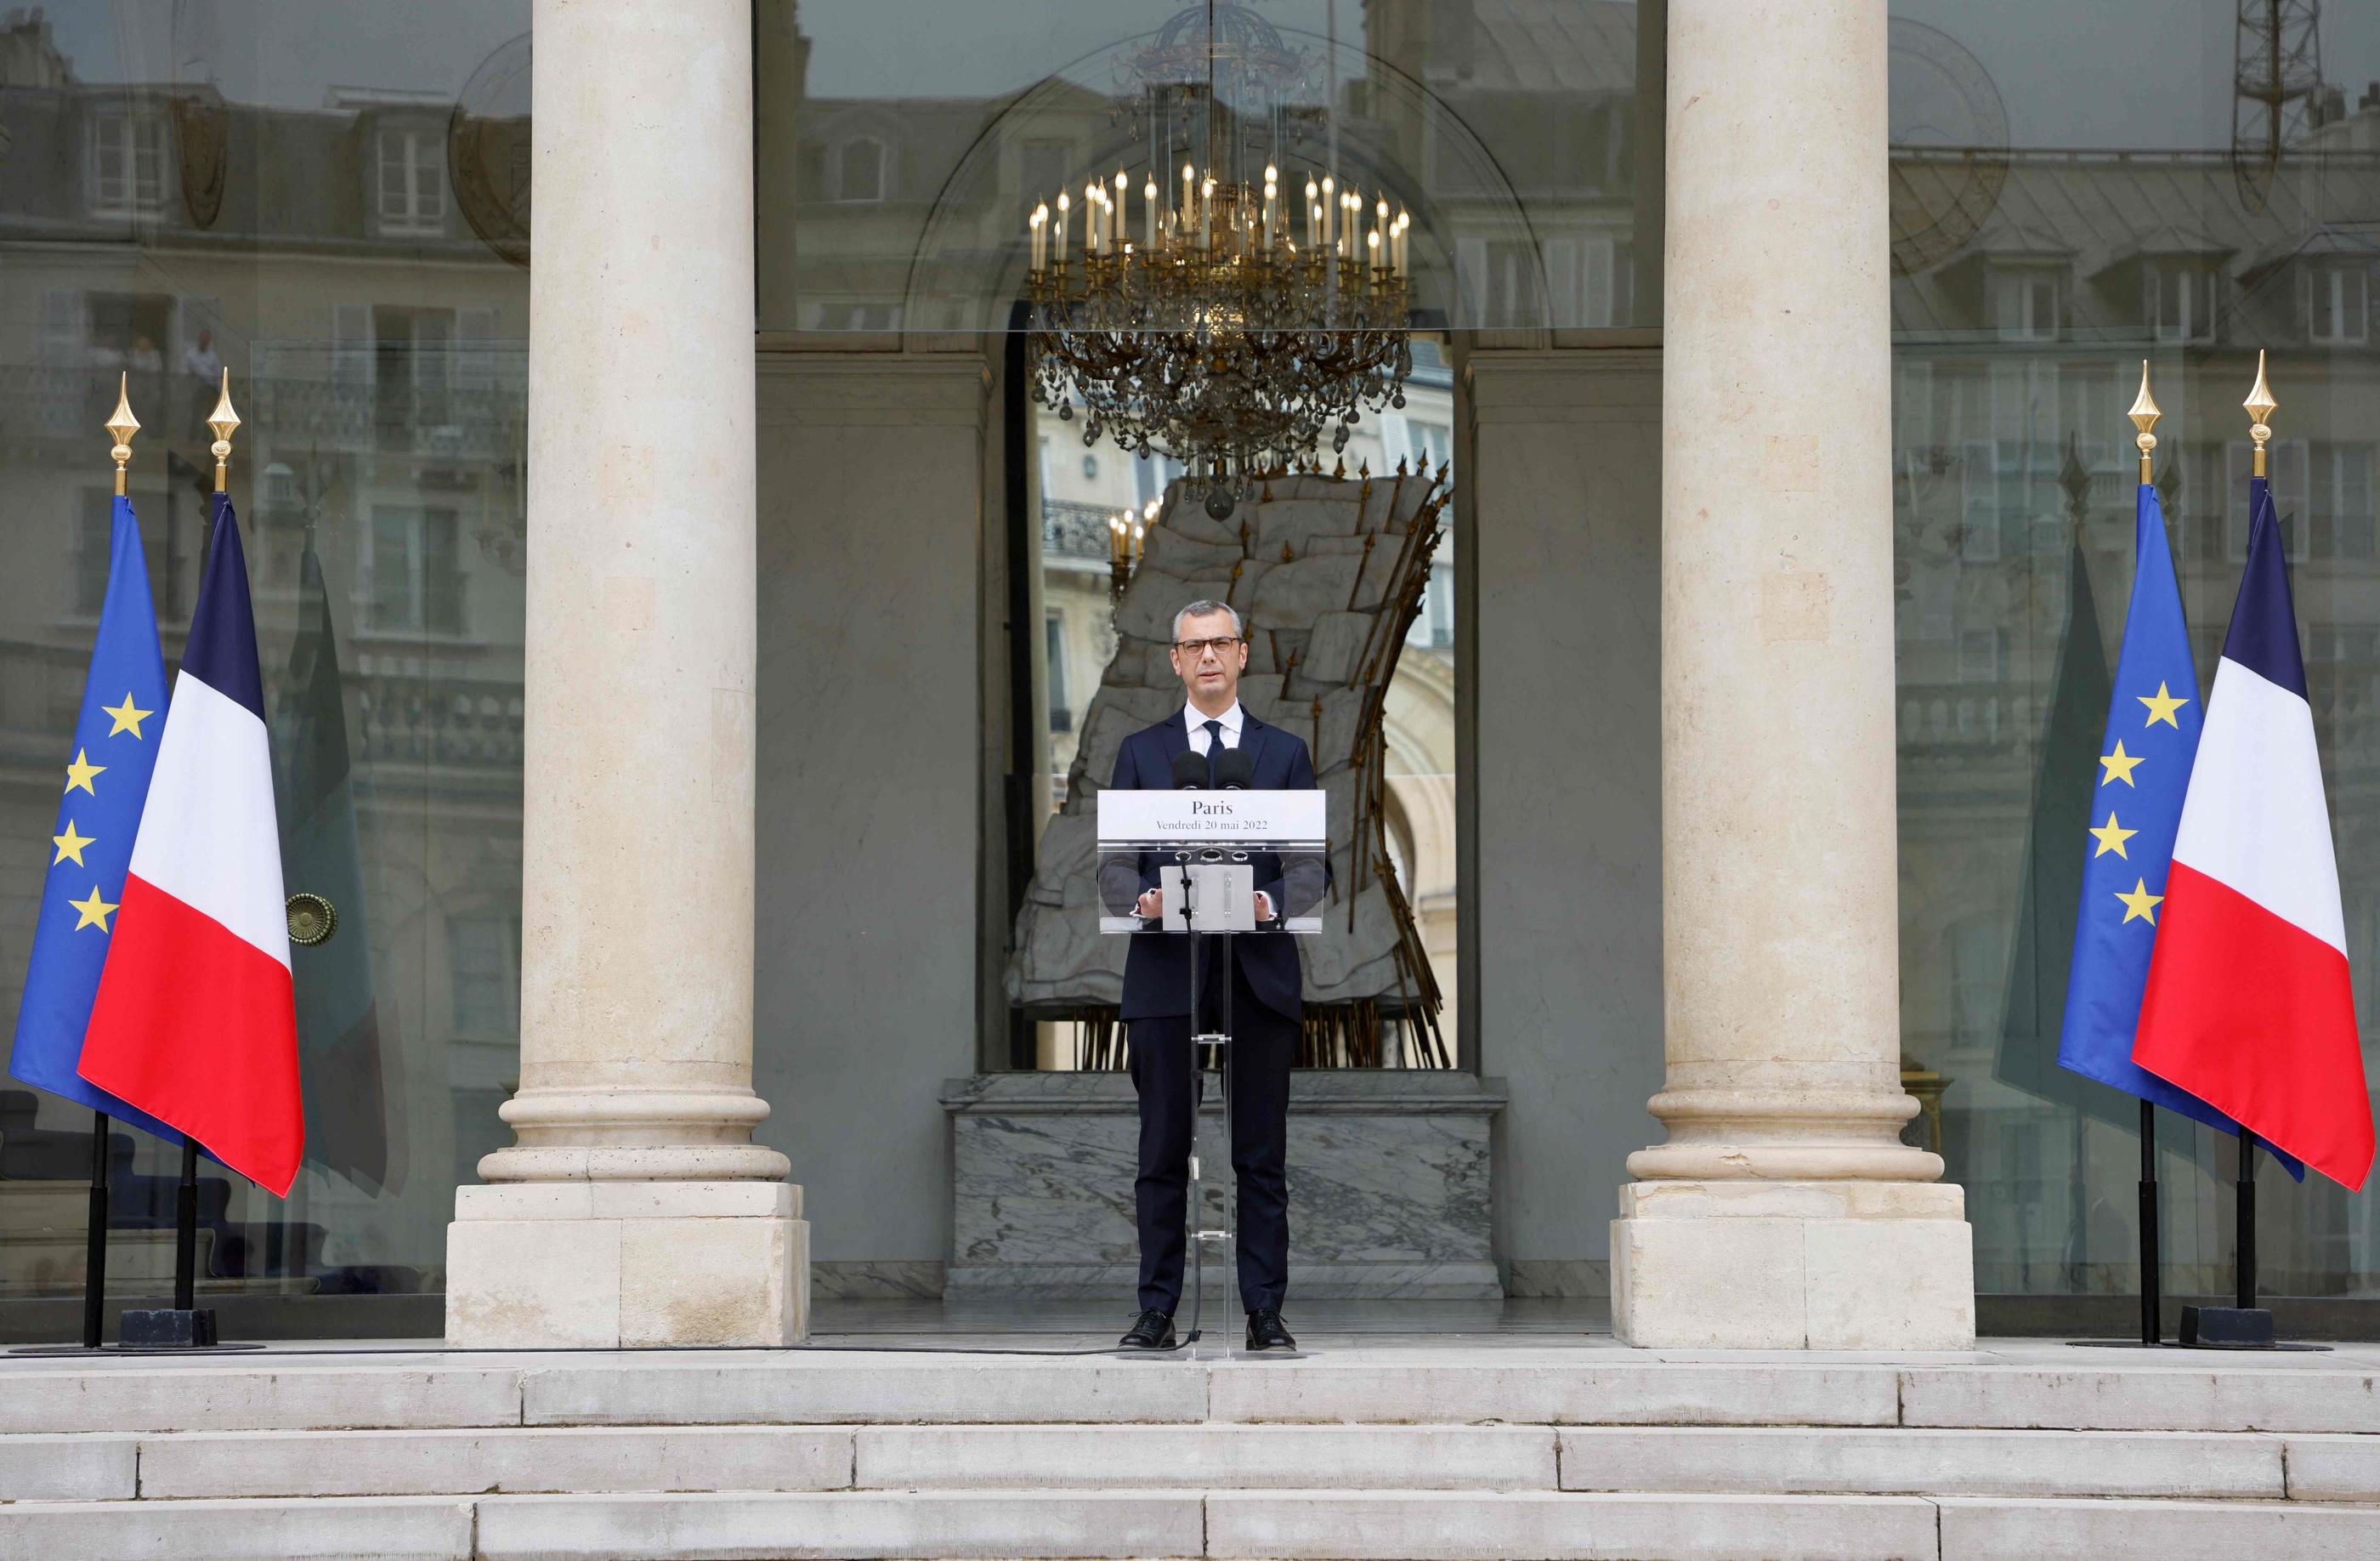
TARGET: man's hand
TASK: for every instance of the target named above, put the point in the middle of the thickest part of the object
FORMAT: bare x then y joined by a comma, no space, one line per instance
1151,905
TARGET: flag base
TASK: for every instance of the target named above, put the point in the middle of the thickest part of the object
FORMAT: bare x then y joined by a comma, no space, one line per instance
166,1328
2227,1327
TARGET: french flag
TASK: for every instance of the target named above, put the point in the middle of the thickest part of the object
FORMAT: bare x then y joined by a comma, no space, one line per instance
2248,1005
195,1022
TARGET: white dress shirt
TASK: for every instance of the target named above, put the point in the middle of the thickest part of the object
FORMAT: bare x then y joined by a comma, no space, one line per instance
1230,718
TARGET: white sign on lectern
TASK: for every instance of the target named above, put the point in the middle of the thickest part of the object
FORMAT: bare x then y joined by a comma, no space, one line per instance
1222,845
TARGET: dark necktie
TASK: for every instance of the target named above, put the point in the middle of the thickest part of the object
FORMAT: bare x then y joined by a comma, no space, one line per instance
1214,747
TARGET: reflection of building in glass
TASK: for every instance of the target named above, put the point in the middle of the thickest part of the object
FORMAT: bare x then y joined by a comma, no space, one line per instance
373,343
2013,476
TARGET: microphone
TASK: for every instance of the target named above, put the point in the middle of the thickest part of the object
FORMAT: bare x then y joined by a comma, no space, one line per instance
1190,770
1235,770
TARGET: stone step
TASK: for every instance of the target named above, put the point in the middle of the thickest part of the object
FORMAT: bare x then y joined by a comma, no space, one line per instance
1642,1460
1797,1460
1318,1523
298,1391
1642,1390
614,1528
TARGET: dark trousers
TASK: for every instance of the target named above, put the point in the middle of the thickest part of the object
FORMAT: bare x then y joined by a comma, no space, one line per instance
1168,1084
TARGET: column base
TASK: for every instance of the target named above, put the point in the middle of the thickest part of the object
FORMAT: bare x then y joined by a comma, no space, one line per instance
627,1264
1793,1265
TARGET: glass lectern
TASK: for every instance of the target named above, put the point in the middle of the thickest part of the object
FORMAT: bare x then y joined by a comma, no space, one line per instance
1209,866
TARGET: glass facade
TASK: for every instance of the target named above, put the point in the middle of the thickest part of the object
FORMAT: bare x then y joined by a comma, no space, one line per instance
902,148
2216,195
330,204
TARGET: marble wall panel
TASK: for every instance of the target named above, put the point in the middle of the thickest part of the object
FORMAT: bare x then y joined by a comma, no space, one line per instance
1389,1182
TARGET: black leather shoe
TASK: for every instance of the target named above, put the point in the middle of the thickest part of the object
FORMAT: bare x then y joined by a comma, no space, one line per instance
1151,1330
1266,1331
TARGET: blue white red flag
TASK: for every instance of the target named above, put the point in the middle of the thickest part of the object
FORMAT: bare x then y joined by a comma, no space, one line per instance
2145,764
114,749
2249,1005
194,1021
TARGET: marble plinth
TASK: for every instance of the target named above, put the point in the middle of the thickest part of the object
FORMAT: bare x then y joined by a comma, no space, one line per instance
1793,1265
1389,1184
596,1264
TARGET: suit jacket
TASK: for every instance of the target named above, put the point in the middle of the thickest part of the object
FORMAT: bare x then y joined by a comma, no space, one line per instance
1157,967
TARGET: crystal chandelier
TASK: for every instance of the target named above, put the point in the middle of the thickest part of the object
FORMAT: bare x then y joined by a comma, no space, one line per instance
1233,325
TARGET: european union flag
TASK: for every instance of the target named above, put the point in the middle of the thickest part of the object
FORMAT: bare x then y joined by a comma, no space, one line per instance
2145,761
107,782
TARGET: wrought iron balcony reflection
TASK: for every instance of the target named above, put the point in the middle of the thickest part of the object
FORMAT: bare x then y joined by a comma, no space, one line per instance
1076,532
470,423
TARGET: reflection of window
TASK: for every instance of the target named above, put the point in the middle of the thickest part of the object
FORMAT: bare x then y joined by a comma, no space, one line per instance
92,542
128,330
1043,169
2025,305
479,954
1979,527
1433,442
127,165
1590,280
2340,500
859,169
1090,465
1975,981
1499,281
1151,474
412,181
1062,715
2181,301
855,316
408,356
1980,654
2339,305
1433,626
416,573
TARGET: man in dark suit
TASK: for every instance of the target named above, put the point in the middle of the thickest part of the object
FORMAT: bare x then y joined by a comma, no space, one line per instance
1209,653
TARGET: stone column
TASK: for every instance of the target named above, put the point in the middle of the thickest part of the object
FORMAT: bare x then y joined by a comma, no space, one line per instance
634,1208
1783,1210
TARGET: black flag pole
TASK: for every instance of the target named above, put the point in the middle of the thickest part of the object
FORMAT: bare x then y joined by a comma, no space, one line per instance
95,1262
2151,1257
2244,1236
186,1230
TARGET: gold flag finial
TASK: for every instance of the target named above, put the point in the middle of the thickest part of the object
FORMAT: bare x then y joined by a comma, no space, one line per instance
121,426
2261,408
2145,415
223,419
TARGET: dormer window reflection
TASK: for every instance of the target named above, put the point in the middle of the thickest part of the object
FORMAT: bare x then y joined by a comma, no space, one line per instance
2028,303
412,180
2178,301
859,170
128,164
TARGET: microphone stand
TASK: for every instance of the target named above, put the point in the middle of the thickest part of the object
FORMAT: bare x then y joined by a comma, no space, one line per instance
1194,1220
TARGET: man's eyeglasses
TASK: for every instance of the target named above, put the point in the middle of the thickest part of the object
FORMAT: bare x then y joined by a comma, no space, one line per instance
1199,647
